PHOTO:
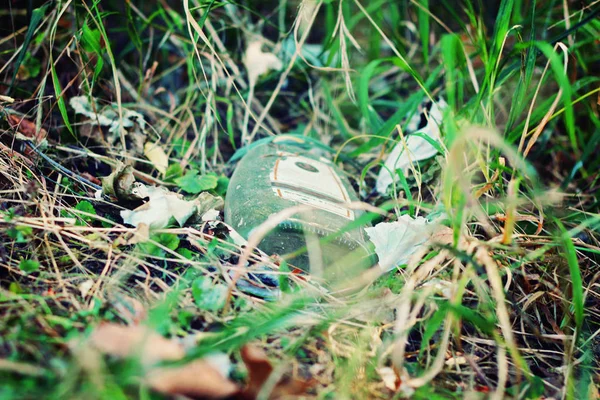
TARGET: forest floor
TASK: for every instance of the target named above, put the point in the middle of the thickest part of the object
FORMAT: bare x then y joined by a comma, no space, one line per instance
121,124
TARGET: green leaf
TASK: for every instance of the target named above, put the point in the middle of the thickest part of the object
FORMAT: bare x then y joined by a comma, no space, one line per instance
334,110
30,68
194,183
576,281
173,172
433,324
59,98
86,207
90,40
284,284
168,240
15,288
366,109
19,233
222,184
36,17
536,388
209,295
186,253
29,266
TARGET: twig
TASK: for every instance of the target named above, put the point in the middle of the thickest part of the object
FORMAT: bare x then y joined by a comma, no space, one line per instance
62,169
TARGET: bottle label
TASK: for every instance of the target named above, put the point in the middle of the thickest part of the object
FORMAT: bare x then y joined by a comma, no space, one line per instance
307,181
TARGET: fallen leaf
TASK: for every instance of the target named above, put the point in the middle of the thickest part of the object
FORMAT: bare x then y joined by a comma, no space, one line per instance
439,287
207,202
85,286
260,369
164,205
204,378
258,62
120,183
155,153
160,208
395,242
458,360
414,148
198,378
91,178
210,215
27,129
389,377
129,341
107,116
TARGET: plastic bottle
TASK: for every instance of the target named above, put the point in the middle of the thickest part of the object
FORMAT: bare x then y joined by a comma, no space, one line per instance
288,171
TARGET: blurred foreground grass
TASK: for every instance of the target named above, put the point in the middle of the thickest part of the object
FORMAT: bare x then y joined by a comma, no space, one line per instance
509,307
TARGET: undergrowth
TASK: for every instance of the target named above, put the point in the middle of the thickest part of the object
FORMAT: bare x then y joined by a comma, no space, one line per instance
507,307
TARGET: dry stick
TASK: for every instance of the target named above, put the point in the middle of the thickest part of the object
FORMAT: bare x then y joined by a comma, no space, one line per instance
12,35
502,374
96,286
580,11
547,116
567,19
402,327
285,73
62,169
525,132
501,309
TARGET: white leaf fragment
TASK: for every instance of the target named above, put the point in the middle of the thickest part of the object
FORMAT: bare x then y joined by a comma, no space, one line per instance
414,148
85,286
389,378
258,62
396,242
159,209
157,212
106,116
210,215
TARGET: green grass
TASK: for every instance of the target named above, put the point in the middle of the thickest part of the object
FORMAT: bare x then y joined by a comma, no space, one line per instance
509,306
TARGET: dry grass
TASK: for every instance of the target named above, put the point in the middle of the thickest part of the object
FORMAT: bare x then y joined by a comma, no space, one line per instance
503,303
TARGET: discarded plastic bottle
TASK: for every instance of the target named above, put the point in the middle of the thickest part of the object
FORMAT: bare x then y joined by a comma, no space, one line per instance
283,173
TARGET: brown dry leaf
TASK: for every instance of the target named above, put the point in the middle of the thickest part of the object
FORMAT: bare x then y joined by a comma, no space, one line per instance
259,369
201,378
27,128
127,341
91,178
198,378
120,183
